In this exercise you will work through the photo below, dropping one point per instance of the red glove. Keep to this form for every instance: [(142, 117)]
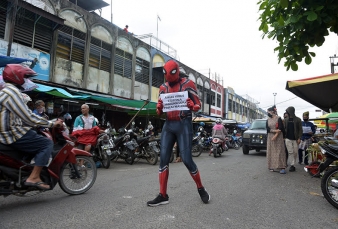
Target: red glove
[(192, 106), (159, 107)]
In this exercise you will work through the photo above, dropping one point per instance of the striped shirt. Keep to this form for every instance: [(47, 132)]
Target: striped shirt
[(15, 116)]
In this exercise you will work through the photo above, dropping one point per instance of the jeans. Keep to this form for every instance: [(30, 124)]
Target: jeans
[(36, 145), (182, 132)]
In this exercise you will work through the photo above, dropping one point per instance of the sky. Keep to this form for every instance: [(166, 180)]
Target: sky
[(223, 36)]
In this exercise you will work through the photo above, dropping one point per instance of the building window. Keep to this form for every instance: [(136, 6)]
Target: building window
[(100, 54), (229, 104), (123, 63), (142, 71), (158, 77), (213, 98), (71, 44), (219, 100), (200, 90)]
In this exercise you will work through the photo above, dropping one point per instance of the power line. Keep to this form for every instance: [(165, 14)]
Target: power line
[(280, 102)]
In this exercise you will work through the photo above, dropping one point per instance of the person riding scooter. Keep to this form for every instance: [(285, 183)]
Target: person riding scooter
[(15, 118), (219, 131)]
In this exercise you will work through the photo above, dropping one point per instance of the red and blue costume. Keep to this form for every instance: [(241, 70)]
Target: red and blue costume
[(178, 126)]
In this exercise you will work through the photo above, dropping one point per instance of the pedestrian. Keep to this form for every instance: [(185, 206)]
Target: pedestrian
[(294, 131), (150, 128), (285, 115), (178, 126), (308, 131), (177, 152), (40, 109), (275, 153)]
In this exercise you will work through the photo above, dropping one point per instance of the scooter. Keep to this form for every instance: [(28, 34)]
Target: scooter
[(72, 168), (217, 147)]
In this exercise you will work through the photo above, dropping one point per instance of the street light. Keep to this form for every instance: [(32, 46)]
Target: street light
[(274, 98)]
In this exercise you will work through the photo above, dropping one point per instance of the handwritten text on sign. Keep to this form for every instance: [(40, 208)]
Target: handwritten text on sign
[(175, 101)]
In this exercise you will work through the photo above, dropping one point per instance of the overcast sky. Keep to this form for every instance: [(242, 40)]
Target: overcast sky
[(223, 36)]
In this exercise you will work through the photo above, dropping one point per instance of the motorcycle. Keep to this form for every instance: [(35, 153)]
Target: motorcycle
[(72, 168), (329, 182), (217, 147), (205, 141), (147, 149), (196, 149), (124, 146), (102, 150)]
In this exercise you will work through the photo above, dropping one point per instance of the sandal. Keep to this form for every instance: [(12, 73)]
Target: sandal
[(282, 171), (37, 185)]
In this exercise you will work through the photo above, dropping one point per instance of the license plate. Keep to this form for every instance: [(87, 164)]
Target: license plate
[(108, 152)]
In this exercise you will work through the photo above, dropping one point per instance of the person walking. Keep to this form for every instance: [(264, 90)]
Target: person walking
[(294, 131), (306, 140), (275, 153)]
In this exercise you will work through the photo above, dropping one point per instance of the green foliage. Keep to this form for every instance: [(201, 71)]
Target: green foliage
[(297, 25)]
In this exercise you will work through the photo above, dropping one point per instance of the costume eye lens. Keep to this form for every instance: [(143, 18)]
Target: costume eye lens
[(173, 71), (164, 71)]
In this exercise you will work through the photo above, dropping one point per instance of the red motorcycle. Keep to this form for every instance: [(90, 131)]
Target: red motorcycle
[(72, 168)]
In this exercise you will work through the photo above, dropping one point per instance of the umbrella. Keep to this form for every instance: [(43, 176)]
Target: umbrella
[(320, 91)]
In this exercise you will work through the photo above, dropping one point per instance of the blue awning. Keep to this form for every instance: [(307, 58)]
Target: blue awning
[(4, 60), (59, 92)]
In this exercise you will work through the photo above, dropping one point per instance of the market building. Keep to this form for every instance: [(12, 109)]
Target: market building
[(76, 51)]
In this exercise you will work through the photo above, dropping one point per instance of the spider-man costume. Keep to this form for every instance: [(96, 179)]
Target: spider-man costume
[(178, 127)]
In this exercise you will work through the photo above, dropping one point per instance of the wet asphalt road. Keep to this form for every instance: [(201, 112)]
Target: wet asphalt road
[(244, 194)]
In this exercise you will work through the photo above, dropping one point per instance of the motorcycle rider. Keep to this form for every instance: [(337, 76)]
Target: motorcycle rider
[(15, 116), (219, 131), (178, 126), (201, 127)]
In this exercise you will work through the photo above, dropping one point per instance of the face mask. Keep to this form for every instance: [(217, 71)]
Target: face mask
[(270, 115), (41, 110), (306, 119), (28, 85)]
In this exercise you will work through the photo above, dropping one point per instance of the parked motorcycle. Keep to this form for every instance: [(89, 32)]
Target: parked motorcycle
[(124, 146), (64, 168), (196, 149), (205, 141), (217, 147), (103, 149), (147, 149), (329, 182)]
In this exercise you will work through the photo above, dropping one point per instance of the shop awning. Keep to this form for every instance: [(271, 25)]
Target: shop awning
[(320, 91), (4, 60), (59, 92)]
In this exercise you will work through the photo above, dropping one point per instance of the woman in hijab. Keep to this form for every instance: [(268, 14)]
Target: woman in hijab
[(275, 144)]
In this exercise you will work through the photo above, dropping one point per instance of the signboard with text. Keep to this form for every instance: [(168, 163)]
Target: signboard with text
[(174, 101)]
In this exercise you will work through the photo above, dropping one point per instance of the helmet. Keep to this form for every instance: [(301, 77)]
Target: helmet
[(235, 131), (97, 121), (16, 73), (202, 123), (218, 121), (67, 116)]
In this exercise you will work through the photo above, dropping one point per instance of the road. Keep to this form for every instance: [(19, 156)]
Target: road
[(244, 194)]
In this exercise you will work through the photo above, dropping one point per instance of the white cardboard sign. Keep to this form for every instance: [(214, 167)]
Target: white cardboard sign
[(175, 101)]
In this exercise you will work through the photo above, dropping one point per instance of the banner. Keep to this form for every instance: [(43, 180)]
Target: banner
[(39, 61)]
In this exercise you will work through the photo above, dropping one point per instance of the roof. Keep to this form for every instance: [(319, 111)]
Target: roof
[(90, 5)]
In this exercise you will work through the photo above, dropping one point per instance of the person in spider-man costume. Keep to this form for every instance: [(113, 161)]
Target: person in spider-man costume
[(177, 127)]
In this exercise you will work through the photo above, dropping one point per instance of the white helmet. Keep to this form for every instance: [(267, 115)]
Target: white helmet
[(218, 121), (97, 121)]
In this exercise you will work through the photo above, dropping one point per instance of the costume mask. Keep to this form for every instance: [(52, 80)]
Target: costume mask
[(171, 71)]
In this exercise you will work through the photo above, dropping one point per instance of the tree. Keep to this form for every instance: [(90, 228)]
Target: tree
[(297, 25)]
